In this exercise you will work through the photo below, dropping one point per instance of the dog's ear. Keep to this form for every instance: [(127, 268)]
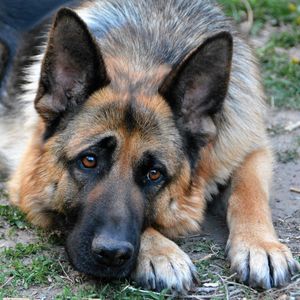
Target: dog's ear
[(72, 68), (197, 87)]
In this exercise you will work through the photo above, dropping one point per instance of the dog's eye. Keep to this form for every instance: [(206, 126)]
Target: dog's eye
[(89, 161), (154, 175)]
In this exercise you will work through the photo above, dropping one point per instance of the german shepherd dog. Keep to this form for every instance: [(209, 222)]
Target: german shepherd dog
[(122, 127)]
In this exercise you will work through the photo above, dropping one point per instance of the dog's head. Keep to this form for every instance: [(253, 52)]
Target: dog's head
[(116, 148)]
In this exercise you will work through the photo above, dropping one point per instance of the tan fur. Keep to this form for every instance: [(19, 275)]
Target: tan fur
[(121, 73), (185, 212), (248, 208), (32, 188), (161, 258), (252, 235)]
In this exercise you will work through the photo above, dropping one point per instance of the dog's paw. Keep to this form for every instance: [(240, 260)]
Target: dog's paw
[(163, 265), (262, 264)]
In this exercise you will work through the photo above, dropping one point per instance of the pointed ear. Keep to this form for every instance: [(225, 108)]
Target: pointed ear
[(197, 87), (72, 68)]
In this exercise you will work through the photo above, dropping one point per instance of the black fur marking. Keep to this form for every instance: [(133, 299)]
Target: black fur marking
[(218, 205), (60, 122), (246, 277), (52, 128), (130, 118), (153, 272), (192, 144), (4, 52), (73, 67), (198, 85), (271, 272), (64, 222), (197, 88)]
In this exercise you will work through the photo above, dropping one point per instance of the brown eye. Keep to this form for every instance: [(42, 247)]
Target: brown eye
[(153, 175), (89, 161)]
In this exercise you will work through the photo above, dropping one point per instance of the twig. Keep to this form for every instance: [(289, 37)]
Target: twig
[(249, 22), (225, 287), (235, 292), (215, 249), (292, 127), (6, 282), (131, 288), (199, 297), (230, 276), (295, 277), (295, 190), (206, 257), (204, 296), (66, 275), (206, 289), (278, 291), (241, 285), (190, 236)]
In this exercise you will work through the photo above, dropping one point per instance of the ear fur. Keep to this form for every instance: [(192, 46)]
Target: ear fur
[(72, 68), (197, 87)]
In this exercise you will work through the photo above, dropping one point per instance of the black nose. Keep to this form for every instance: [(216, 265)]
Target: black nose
[(111, 252)]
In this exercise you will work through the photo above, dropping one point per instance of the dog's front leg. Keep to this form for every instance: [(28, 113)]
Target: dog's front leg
[(163, 265), (255, 253)]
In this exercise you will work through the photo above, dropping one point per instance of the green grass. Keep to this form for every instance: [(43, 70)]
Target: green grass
[(23, 250), (117, 290), (3, 193), (263, 10), (287, 156), (26, 265), (281, 73), (286, 39), (13, 216)]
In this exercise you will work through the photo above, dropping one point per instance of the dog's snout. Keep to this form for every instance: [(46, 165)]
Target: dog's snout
[(112, 252)]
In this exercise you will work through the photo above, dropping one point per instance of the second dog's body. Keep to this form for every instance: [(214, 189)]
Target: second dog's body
[(142, 108)]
